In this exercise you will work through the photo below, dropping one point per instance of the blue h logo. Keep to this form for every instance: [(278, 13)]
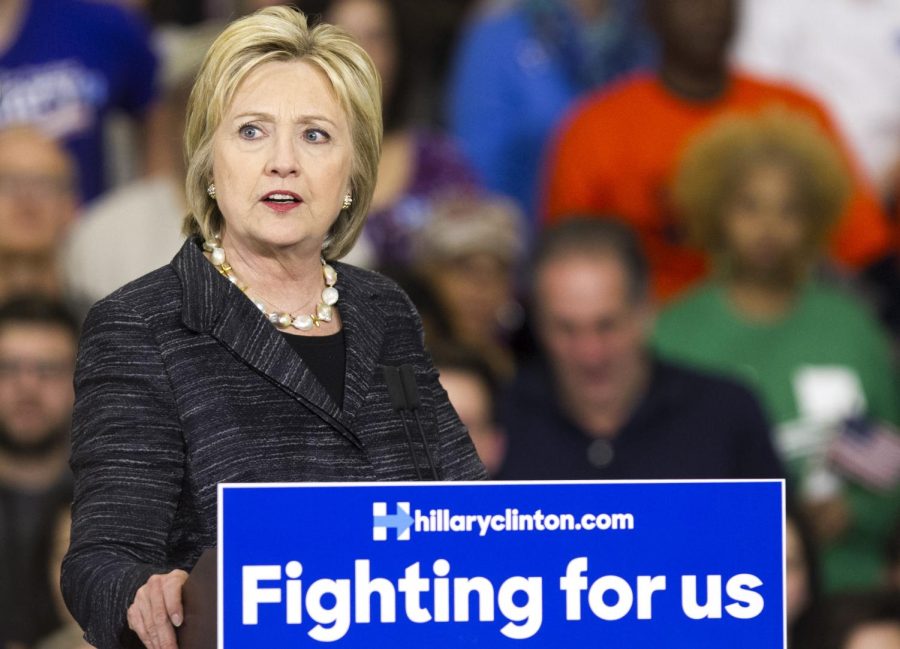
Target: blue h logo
[(381, 521)]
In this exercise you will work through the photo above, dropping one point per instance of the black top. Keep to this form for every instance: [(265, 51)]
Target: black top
[(688, 425), (324, 355)]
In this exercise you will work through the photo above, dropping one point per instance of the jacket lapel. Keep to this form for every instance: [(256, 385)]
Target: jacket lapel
[(364, 336), (212, 304)]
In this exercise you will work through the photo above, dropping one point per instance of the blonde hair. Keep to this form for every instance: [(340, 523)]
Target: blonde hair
[(719, 157), (282, 34)]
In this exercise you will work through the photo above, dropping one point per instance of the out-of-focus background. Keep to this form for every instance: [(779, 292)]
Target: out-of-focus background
[(646, 237)]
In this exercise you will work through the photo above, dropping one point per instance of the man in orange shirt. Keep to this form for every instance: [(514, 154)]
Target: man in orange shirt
[(616, 153)]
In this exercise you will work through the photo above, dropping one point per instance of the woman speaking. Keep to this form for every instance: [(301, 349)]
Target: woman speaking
[(252, 356)]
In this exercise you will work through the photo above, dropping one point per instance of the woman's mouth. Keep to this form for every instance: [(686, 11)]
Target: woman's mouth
[(282, 201), (282, 197)]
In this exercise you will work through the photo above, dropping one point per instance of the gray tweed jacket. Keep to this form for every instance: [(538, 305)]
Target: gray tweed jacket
[(181, 383)]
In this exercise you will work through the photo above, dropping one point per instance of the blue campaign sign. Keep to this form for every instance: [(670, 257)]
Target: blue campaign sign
[(661, 565)]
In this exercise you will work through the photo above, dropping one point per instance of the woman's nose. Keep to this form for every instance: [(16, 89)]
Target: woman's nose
[(283, 158)]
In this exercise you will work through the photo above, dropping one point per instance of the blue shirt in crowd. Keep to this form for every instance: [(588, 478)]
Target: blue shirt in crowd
[(69, 65), (516, 73)]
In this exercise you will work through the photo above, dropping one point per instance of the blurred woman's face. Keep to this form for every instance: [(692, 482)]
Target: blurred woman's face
[(797, 575), (764, 227), (473, 288), (369, 23), (282, 158)]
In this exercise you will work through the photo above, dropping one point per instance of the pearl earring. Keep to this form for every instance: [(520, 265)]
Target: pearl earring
[(348, 201), (211, 190)]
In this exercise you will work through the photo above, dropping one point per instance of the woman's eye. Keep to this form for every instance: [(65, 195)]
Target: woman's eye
[(249, 132), (315, 135)]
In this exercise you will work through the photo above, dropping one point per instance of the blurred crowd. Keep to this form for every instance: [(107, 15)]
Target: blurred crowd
[(649, 239)]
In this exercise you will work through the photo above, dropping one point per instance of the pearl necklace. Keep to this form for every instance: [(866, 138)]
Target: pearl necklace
[(282, 320)]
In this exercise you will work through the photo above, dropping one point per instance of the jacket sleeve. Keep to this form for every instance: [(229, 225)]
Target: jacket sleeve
[(127, 458)]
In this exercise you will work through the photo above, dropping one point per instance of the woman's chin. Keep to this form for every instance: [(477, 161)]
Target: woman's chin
[(277, 233)]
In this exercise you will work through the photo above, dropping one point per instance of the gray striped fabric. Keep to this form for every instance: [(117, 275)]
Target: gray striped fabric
[(182, 383)]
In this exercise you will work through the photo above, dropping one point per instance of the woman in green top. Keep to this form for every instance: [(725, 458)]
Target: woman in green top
[(760, 193)]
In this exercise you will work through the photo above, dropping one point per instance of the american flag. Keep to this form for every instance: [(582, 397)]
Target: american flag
[(867, 452)]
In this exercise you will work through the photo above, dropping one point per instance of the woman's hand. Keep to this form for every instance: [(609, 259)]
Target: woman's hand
[(156, 610)]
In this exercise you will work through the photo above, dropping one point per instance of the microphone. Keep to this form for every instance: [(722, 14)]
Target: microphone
[(410, 389), (398, 399)]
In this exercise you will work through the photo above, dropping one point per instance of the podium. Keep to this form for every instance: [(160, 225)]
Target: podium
[(199, 600)]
